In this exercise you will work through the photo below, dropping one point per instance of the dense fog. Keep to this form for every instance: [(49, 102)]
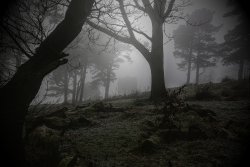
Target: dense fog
[(138, 68)]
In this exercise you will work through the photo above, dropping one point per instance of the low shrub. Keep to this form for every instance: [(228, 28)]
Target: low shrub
[(205, 93), (227, 79)]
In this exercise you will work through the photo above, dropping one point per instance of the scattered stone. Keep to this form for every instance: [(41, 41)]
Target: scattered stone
[(69, 161), (149, 145), (56, 123), (106, 107), (42, 148), (58, 113), (79, 122), (82, 106)]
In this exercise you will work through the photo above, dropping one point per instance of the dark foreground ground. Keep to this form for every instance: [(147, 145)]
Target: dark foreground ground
[(136, 133)]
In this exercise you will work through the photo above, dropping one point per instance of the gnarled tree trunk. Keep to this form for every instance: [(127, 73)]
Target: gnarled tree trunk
[(197, 70), (66, 87), (107, 83), (82, 85), (156, 62), (74, 87), (18, 93), (158, 12)]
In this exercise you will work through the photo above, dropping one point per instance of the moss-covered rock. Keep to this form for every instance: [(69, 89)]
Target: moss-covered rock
[(42, 148)]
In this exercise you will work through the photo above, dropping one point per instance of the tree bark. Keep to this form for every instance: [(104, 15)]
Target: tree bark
[(83, 78), (107, 84), (78, 87), (156, 62), (241, 70), (74, 87), (197, 70), (18, 93), (18, 61), (66, 86), (189, 66)]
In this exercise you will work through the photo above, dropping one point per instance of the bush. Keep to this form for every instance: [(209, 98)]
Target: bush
[(227, 79), (205, 93), (172, 102)]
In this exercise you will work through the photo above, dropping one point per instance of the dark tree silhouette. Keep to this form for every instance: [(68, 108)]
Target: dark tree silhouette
[(205, 43), (23, 30), (235, 48), (91, 92), (59, 83), (195, 43), (184, 45), (69, 80), (105, 64), (18, 93), (103, 75), (121, 25), (84, 59), (85, 63)]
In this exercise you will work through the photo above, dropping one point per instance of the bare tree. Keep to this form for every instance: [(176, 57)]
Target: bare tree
[(18, 93), (106, 63), (118, 18), (23, 28)]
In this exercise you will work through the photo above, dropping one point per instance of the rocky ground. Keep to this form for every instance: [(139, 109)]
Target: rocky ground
[(139, 133)]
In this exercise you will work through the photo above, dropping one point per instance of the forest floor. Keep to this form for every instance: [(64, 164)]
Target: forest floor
[(136, 133)]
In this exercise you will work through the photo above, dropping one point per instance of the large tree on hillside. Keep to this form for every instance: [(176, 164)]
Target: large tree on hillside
[(18, 93), (119, 19)]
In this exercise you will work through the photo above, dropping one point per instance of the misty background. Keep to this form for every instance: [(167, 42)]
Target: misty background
[(137, 69)]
